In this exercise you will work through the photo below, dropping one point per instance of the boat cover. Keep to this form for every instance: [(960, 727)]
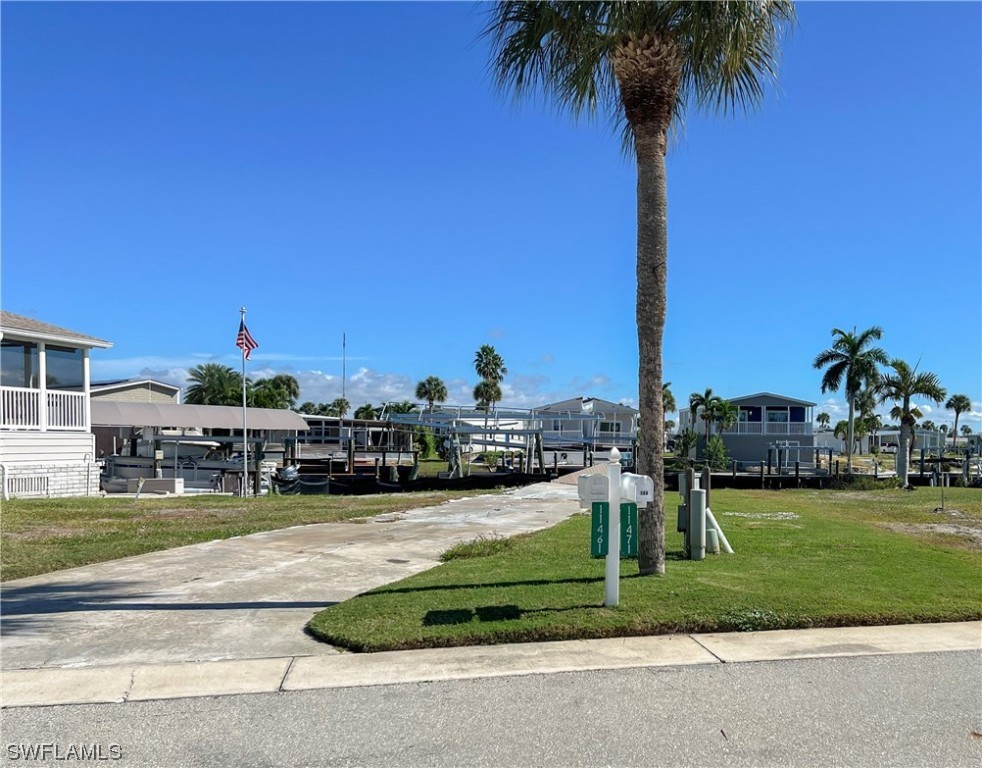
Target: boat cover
[(110, 413)]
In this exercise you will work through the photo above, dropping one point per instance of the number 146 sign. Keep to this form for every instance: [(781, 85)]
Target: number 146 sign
[(601, 524)]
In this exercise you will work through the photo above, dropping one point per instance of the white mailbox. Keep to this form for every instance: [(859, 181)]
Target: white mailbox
[(637, 488), (591, 488)]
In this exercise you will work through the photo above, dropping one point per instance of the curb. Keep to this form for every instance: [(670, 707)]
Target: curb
[(125, 683)]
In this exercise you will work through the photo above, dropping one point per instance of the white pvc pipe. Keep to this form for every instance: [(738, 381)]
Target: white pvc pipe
[(722, 536)]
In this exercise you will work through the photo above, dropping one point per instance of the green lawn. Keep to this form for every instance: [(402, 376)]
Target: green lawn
[(802, 559), (43, 535)]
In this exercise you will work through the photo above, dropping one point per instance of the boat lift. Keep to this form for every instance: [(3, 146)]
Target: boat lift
[(508, 429)]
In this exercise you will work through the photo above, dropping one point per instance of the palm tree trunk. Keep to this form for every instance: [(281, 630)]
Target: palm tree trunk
[(850, 437), (652, 273), (903, 456)]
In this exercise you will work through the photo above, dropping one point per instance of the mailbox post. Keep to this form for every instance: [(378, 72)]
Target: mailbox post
[(612, 580)]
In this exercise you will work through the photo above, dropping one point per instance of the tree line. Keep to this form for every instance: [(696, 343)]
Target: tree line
[(216, 384), (869, 377)]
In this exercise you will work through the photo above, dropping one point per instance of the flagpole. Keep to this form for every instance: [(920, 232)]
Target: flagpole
[(245, 426)]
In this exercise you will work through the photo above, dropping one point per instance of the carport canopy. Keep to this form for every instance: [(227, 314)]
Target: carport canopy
[(110, 413)]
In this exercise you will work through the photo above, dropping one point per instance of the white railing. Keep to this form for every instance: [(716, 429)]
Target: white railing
[(66, 410), (784, 428), (773, 428), (563, 434), (20, 408)]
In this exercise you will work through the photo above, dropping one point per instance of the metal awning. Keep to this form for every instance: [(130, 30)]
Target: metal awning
[(110, 413)]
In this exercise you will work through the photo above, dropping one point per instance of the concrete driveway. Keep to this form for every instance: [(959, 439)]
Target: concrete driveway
[(248, 597)]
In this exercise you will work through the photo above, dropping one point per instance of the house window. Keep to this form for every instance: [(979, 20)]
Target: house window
[(64, 368), (777, 417), (19, 364), (557, 425), (609, 427)]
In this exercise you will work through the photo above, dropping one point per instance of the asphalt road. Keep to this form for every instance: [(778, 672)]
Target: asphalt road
[(905, 710)]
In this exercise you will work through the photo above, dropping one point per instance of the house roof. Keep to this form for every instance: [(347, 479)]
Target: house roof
[(111, 413), (105, 386), (763, 395), (20, 326), (585, 404)]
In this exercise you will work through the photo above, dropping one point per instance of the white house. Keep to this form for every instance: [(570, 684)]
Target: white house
[(590, 422), (46, 442)]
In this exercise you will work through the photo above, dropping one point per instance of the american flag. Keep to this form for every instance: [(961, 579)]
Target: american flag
[(244, 340)]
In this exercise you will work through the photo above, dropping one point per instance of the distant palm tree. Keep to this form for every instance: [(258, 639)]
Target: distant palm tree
[(487, 393), (667, 398), (873, 425), (290, 387), (214, 384), (432, 390), (852, 363), (308, 406), (866, 402), (280, 391), (959, 404), (823, 420), (366, 411), (725, 415), (707, 401), (642, 63), (966, 430), (900, 387), (404, 407), (339, 407)]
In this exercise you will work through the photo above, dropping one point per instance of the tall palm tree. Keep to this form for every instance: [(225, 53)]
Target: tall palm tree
[(851, 362), (489, 364), (432, 390), (959, 404), (900, 387), (823, 420), (642, 63), (214, 384)]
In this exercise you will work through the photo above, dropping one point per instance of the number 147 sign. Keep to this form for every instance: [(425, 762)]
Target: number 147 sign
[(601, 524)]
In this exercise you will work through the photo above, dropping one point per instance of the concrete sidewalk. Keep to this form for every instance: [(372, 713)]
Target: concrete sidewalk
[(117, 684)]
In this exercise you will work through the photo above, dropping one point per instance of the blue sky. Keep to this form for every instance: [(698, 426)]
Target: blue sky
[(349, 169)]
